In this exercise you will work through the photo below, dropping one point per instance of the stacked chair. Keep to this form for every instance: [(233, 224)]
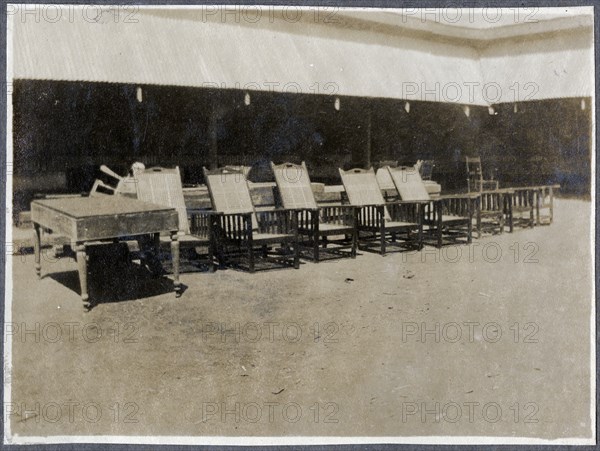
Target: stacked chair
[(318, 226), (380, 223)]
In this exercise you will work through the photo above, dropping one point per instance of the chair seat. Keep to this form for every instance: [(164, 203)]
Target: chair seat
[(450, 218), (341, 228), (271, 237), (398, 224)]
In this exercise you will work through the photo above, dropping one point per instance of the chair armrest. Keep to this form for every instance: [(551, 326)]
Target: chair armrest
[(203, 222), (408, 211), (307, 219), (339, 214), (235, 226), (278, 221), (463, 205), (371, 216)]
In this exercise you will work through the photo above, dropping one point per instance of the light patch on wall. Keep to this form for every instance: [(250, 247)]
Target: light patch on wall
[(337, 104), (407, 107), (583, 104), (467, 110), (139, 95), (247, 99)]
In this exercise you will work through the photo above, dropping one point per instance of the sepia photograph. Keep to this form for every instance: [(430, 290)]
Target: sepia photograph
[(299, 225)]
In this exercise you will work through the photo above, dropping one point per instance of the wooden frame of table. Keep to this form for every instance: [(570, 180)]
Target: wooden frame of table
[(85, 220)]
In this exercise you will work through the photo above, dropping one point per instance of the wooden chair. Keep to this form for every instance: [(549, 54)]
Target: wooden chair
[(163, 186), (244, 229), (475, 181), (448, 218), (491, 211), (318, 224), (382, 223), (520, 207)]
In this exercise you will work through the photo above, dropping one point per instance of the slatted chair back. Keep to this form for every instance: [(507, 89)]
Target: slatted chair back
[(409, 184), (362, 188), (229, 192), (474, 173), (294, 185), (162, 186)]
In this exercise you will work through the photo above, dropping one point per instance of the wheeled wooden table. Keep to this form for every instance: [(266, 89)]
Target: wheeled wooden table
[(85, 220)]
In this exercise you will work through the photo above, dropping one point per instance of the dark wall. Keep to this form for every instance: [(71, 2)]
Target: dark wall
[(74, 127), (541, 142)]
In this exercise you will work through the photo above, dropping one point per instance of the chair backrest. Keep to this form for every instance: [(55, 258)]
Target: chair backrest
[(229, 192), (409, 184), (294, 185), (162, 186), (474, 173), (362, 188)]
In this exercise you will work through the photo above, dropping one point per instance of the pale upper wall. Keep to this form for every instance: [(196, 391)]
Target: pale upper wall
[(555, 65), (357, 52)]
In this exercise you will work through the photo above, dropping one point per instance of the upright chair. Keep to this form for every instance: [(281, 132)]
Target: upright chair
[(492, 210), (520, 207), (163, 186), (382, 223), (247, 231), (319, 225), (448, 218), (475, 181)]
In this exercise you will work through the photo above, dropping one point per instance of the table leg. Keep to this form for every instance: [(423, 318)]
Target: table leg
[(37, 245), (175, 257), (82, 267)]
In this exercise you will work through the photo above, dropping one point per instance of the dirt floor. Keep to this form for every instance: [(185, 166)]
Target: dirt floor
[(491, 339)]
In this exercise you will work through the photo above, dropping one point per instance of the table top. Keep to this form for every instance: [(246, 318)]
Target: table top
[(86, 207)]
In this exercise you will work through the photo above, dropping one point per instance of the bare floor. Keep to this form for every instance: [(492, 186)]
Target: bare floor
[(491, 339)]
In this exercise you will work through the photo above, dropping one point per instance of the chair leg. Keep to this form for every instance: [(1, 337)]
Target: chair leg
[(250, 257), (316, 248), (296, 255), (532, 219)]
